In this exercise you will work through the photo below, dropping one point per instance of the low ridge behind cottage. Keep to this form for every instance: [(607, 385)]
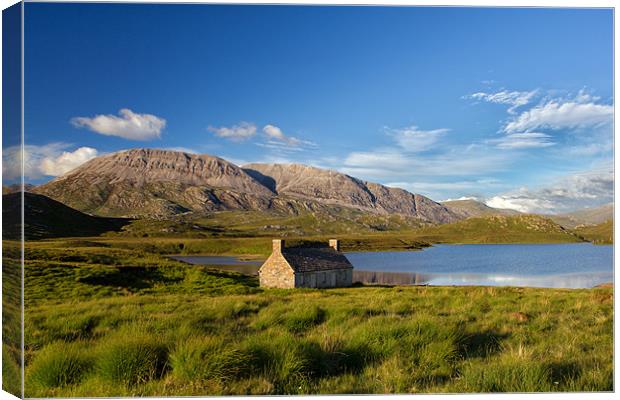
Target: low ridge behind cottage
[(315, 267)]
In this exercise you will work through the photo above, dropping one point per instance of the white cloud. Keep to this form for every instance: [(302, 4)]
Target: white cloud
[(47, 160), (556, 114), (182, 149), (525, 140), (586, 189), (414, 139), (278, 141), (56, 166), (515, 99), (273, 132), (236, 133), (462, 198), (129, 125), (275, 135)]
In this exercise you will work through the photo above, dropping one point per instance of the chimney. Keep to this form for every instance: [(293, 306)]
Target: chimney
[(334, 244), (278, 245)]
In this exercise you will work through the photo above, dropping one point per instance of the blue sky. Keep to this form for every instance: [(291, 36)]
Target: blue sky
[(510, 106)]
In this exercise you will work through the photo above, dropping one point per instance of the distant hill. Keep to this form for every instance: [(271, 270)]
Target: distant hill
[(161, 184), (586, 216), (473, 208), (602, 233), (16, 187), (498, 229), (47, 218)]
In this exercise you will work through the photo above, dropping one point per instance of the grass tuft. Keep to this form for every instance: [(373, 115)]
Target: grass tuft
[(59, 364), (209, 358), (132, 360)]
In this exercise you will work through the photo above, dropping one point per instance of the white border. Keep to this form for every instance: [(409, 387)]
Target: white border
[(470, 3)]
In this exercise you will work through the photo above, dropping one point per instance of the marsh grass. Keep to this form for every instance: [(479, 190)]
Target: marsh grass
[(174, 329), (209, 358), (131, 361), (60, 364)]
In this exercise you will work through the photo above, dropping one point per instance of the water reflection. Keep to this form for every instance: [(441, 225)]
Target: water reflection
[(572, 281)]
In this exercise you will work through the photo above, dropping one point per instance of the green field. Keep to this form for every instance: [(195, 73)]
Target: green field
[(112, 316)]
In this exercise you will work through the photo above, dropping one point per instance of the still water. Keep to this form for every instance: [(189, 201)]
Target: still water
[(571, 265), (581, 265)]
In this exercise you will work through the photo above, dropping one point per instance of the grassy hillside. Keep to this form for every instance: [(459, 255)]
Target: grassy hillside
[(239, 233), (103, 320), (255, 223), (498, 229), (599, 234)]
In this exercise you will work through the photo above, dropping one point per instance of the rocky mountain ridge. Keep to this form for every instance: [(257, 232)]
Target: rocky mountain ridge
[(161, 183)]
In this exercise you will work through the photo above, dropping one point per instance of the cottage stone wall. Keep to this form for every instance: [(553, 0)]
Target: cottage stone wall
[(276, 273), (324, 279)]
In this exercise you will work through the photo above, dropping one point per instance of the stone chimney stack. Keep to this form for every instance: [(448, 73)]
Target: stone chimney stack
[(278, 245), (334, 244)]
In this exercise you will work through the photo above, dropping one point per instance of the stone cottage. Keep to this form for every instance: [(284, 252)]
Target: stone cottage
[(316, 267)]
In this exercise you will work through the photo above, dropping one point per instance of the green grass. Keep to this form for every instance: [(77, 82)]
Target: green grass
[(11, 318), (60, 364), (130, 360), (602, 233), (499, 229), (369, 340), (245, 232), (332, 220), (106, 319)]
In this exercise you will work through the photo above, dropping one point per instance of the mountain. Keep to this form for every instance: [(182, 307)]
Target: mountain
[(331, 187), (157, 183), (47, 218), (473, 208), (163, 183), (585, 217)]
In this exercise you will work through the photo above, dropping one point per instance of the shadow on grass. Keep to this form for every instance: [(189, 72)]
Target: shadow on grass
[(130, 278), (563, 372), (481, 344)]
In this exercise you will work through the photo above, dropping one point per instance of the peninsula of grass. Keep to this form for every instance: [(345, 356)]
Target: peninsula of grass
[(111, 318)]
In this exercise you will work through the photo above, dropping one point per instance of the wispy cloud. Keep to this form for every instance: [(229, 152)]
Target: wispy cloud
[(182, 149), (127, 125), (276, 138), (390, 163), (275, 133), (414, 139), (236, 133), (279, 142), (515, 99), (555, 114), (525, 140), (437, 189), (52, 159), (585, 189)]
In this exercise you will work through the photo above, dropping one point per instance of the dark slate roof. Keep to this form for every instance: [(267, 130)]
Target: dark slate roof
[(308, 259)]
